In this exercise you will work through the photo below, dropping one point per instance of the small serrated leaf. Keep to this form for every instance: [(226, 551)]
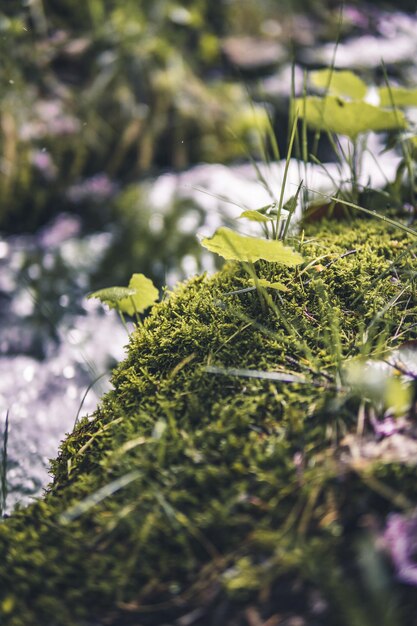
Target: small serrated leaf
[(231, 245), (138, 296), (112, 296)]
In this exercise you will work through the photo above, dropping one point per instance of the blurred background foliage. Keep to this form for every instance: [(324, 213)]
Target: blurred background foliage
[(117, 87), (123, 88), (97, 95)]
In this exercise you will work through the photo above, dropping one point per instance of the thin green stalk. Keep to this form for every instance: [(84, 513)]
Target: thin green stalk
[(3, 469), (354, 169), (261, 178), (332, 66), (287, 165), (297, 143), (122, 317), (273, 140), (304, 143), (260, 134), (339, 151), (90, 386), (316, 161), (408, 160)]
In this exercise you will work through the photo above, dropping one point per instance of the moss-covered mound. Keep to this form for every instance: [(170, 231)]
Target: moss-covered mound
[(203, 494)]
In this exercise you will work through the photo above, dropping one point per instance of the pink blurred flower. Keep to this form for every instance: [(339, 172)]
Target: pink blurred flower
[(49, 120), (400, 538), (387, 426), (356, 17), (96, 188), (42, 161)]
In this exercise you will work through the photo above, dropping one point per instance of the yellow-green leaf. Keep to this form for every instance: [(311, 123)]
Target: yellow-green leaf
[(255, 216), (401, 96), (340, 83), (231, 245), (138, 296), (145, 294), (348, 118)]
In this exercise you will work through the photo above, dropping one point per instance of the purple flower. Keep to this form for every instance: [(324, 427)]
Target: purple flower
[(63, 125), (400, 538), (42, 161), (97, 188), (60, 229), (49, 120), (356, 17), (388, 426)]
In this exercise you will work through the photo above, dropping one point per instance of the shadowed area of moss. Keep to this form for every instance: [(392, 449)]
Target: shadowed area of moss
[(197, 496)]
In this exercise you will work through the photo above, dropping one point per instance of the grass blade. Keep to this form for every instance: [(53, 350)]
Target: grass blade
[(246, 373), (3, 467), (287, 165), (362, 209), (108, 490)]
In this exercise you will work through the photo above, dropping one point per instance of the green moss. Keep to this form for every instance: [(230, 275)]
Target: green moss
[(237, 494)]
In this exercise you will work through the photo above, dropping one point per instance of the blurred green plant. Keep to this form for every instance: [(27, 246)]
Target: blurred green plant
[(114, 88), (342, 109)]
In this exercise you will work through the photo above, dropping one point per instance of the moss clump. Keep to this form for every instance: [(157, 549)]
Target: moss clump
[(221, 494)]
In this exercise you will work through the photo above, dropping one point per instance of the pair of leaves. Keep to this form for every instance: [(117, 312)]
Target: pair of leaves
[(335, 115), (347, 85), (233, 246), (140, 294)]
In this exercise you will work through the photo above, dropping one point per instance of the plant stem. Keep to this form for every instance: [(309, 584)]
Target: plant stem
[(3, 470)]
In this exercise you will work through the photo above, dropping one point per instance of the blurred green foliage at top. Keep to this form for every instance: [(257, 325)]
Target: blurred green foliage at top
[(95, 94), (116, 87)]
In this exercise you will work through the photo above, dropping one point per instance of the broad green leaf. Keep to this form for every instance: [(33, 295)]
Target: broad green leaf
[(231, 245), (263, 282), (348, 118), (112, 296), (340, 83), (145, 294), (401, 96), (138, 296)]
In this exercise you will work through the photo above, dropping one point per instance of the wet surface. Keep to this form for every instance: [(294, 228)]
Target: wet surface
[(53, 345)]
